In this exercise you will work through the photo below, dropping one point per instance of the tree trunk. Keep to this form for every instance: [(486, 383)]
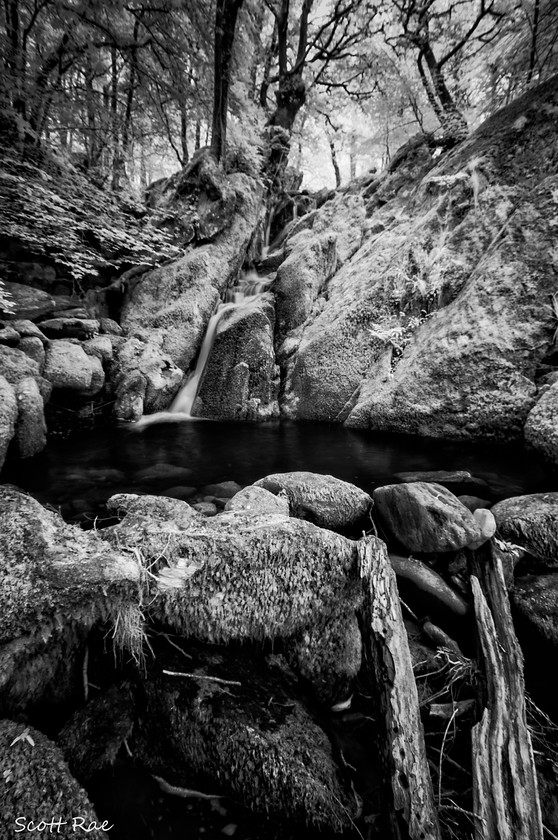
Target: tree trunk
[(225, 24), (409, 801), (453, 121), (505, 788)]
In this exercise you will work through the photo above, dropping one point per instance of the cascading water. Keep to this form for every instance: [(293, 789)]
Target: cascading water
[(245, 293)]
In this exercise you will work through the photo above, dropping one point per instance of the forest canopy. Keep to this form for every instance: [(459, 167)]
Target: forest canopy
[(127, 92)]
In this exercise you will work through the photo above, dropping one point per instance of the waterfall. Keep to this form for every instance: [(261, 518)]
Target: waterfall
[(248, 291), (184, 400)]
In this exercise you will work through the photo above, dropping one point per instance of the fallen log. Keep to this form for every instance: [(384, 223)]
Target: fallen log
[(411, 813), (505, 788)]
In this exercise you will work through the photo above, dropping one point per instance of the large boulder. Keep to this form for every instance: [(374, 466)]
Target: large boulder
[(437, 324), (38, 795), (323, 499), (531, 522), (170, 306), (426, 518), (255, 737), (68, 367), (15, 365), (240, 380), (238, 575), (55, 578)]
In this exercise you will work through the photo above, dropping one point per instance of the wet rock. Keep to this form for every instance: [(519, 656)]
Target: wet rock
[(70, 328), (541, 428), (145, 380), (163, 472), (531, 522), (179, 492), (224, 489), (474, 503), (67, 366), (258, 500), (31, 426), (427, 593), (241, 379), (323, 499), (426, 518), (300, 277), (535, 599), (35, 349), (256, 738), (8, 416), (38, 787), (458, 481), (29, 303)]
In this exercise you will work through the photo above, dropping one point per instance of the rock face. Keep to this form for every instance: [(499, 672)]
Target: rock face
[(323, 499), (170, 306), (426, 517), (531, 522), (240, 380), (145, 379), (436, 322)]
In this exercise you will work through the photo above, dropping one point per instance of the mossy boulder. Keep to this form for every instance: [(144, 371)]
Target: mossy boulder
[(56, 581), (531, 522), (252, 737), (37, 788)]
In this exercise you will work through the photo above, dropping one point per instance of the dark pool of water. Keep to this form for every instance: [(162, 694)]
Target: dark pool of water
[(79, 474)]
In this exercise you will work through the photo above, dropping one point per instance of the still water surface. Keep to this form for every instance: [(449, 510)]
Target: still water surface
[(80, 473)]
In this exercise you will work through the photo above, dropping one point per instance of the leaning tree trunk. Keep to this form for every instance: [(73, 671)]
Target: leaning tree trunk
[(410, 808), (505, 789)]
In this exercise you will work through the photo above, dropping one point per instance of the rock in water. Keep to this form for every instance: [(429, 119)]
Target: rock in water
[(426, 518), (323, 499), (531, 522), (240, 380)]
